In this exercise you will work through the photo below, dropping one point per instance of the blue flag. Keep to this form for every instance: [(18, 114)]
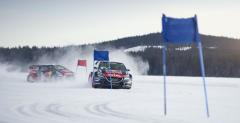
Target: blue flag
[(181, 31), (101, 55)]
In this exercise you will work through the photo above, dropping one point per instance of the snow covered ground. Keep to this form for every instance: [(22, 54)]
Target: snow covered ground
[(76, 102)]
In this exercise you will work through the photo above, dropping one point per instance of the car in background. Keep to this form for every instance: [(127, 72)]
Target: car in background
[(106, 74), (48, 73)]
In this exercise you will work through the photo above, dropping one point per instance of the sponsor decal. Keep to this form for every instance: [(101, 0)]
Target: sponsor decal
[(114, 75)]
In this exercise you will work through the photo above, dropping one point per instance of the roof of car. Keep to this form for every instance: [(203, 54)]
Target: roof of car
[(112, 62), (44, 65)]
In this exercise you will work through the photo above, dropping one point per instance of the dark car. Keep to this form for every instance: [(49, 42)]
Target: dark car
[(48, 73), (106, 74)]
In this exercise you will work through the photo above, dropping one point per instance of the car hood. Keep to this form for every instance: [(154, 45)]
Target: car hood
[(114, 73), (66, 72)]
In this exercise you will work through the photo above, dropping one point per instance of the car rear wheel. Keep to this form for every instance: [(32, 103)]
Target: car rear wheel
[(30, 79)]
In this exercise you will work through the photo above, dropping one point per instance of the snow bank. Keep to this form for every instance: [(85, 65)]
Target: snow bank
[(71, 101)]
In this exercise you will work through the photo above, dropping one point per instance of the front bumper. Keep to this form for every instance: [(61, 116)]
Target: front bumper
[(104, 82)]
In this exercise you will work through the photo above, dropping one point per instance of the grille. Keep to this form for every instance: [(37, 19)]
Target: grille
[(114, 79)]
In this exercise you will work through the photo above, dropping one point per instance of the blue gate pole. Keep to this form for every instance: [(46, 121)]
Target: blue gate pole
[(93, 66), (203, 76), (164, 78), (109, 68)]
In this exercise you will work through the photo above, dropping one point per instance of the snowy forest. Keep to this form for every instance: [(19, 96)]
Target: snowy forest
[(221, 55)]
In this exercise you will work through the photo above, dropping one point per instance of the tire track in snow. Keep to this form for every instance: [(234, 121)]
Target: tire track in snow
[(45, 112), (22, 110), (57, 109), (54, 109), (103, 109), (92, 109), (54, 112), (30, 110), (34, 108), (106, 108)]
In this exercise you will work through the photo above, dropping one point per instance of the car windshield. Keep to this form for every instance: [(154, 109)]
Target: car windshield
[(45, 67), (113, 66), (59, 67)]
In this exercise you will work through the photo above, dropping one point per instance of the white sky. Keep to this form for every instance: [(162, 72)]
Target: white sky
[(66, 22)]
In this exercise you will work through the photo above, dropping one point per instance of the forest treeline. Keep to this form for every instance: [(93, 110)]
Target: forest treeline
[(221, 55)]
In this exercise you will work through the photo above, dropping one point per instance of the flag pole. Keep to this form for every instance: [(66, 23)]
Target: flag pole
[(203, 77), (76, 67), (164, 79), (202, 66), (93, 65), (110, 74), (164, 65)]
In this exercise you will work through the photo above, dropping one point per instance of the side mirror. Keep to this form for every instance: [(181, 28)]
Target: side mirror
[(128, 70), (103, 69)]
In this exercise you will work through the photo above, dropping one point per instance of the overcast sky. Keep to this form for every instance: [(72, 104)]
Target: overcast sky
[(66, 22)]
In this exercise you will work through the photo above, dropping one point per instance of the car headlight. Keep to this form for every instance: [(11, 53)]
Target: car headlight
[(127, 78), (99, 74)]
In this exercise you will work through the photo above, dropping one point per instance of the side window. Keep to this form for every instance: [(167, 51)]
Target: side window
[(58, 73), (124, 67)]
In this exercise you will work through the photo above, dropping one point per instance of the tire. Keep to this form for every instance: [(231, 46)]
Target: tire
[(30, 79), (128, 87), (90, 80), (94, 86)]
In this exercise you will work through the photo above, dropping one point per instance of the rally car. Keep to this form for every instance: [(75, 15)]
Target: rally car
[(110, 74), (48, 73)]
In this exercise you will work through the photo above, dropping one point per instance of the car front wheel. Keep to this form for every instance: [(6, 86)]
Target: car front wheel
[(30, 79)]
